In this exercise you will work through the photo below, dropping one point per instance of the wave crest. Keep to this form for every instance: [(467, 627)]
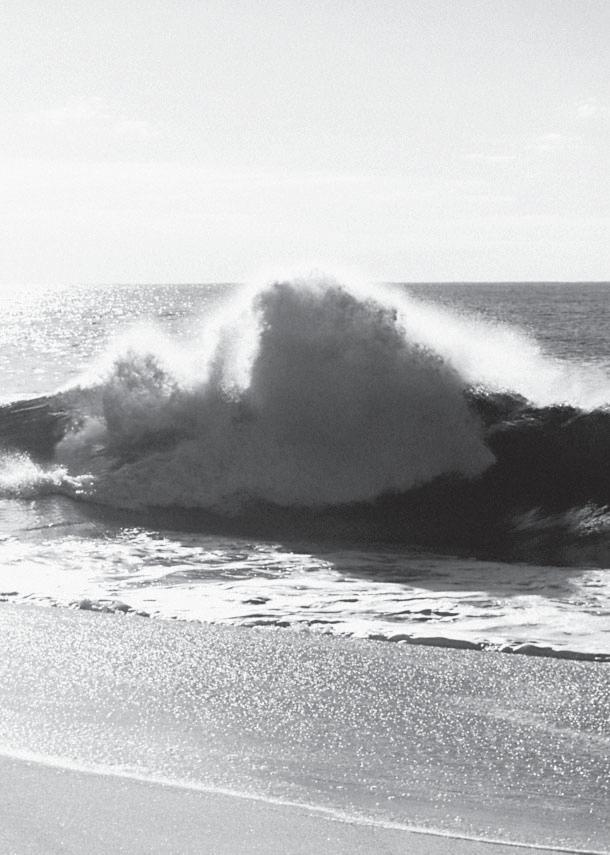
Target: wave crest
[(337, 406)]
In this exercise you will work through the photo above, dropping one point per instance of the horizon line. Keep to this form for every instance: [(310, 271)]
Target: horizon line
[(232, 283)]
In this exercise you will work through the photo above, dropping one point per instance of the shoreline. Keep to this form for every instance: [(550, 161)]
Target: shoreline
[(397, 736), (108, 606), (146, 816)]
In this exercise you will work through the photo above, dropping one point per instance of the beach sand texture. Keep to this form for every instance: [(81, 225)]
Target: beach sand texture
[(207, 737)]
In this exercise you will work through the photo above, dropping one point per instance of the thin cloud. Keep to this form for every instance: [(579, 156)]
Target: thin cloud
[(87, 113), (553, 143), (591, 108), (38, 172), (75, 111), (493, 159), (133, 130)]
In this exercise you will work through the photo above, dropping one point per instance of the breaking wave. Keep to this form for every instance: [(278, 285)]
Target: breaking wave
[(371, 414), (23, 478)]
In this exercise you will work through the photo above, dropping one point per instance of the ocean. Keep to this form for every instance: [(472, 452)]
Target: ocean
[(413, 463)]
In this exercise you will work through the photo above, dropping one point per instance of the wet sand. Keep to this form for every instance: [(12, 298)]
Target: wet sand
[(46, 809), (158, 736)]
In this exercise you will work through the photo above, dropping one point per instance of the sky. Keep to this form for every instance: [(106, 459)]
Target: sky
[(214, 140)]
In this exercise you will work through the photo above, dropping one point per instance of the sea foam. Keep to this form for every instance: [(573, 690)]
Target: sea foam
[(23, 478)]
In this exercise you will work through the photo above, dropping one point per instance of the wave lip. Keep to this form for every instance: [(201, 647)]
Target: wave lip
[(34, 426)]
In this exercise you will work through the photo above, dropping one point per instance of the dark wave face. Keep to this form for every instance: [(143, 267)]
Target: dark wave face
[(319, 411), (34, 426)]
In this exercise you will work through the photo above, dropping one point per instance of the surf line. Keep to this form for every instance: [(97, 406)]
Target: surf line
[(332, 814)]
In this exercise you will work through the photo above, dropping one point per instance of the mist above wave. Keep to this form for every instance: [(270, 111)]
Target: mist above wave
[(502, 358)]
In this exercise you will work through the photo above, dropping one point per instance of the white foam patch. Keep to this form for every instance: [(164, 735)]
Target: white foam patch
[(22, 478)]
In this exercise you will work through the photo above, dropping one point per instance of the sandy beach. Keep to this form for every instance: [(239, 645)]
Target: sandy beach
[(305, 427), (138, 735)]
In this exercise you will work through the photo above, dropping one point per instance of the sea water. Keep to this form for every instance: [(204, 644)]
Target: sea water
[(315, 454)]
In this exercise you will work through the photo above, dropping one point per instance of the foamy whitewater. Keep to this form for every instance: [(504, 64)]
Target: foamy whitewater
[(422, 464)]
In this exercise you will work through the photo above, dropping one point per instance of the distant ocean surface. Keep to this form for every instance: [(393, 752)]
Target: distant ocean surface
[(417, 463)]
